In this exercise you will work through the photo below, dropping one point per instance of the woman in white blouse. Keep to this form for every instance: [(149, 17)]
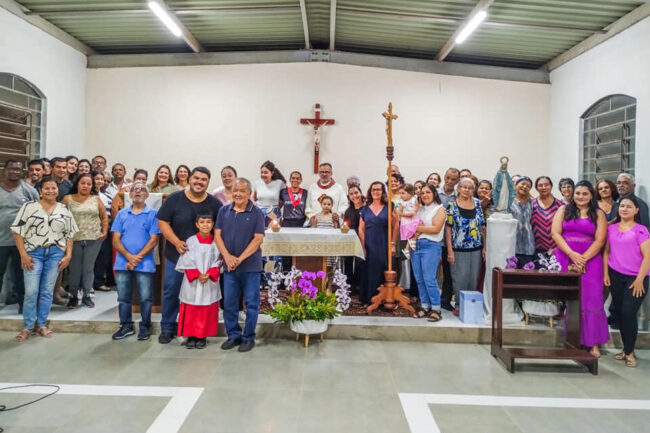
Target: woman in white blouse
[(43, 231), (267, 191)]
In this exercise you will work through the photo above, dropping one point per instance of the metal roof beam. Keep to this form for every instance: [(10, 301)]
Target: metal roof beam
[(46, 26), (612, 30), (332, 24), (300, 56), (482, 5), (305, 25), (187, 36), (178, 11)]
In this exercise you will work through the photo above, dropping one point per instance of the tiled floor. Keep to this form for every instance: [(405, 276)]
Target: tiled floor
[(333, 386)]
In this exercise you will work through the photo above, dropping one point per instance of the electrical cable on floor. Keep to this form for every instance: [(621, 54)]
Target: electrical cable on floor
[(4, 408)]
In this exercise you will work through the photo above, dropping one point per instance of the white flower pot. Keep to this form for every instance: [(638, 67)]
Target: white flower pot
[(308, 327)]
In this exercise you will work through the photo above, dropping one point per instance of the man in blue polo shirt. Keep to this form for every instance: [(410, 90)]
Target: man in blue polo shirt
[(135, 235), (239, 233)]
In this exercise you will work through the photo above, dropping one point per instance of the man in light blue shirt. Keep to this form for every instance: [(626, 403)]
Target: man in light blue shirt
[(135, 235)]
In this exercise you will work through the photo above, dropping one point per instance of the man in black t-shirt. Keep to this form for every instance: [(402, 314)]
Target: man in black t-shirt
[(176, 220)]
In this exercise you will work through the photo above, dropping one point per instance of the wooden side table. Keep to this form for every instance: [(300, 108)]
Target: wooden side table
[(537, 285)]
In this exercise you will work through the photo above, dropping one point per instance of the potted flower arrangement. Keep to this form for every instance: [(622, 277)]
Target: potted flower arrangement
[(307, 310)]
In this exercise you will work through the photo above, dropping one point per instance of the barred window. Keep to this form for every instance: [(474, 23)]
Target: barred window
[(22, 109), (609, 138)]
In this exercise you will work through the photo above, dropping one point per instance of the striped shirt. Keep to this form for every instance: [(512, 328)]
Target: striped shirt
[(542, 220)]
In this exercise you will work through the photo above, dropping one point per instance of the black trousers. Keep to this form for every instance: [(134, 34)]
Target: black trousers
[(627, 307), (447, 286), (104, 265)]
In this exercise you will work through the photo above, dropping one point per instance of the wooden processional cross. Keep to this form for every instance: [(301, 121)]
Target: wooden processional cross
[(317, 124), (390, 293)]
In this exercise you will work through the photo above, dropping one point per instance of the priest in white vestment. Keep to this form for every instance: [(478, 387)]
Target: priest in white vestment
[(326, 186)]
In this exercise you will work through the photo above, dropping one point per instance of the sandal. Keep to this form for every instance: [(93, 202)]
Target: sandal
[(630, 361), (620, 356), (435, 316), (420, 314), (44, 331), (23, 335)]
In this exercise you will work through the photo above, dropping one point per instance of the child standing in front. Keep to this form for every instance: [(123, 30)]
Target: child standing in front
[(199, 310), (407, 211)]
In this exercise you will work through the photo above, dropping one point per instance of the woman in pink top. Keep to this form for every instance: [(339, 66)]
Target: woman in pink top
[(627, 266)]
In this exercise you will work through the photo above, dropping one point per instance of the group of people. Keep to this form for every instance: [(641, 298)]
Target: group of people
[(61, 215)]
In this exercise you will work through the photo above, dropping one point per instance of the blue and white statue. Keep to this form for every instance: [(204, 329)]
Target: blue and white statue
[(504, 189)]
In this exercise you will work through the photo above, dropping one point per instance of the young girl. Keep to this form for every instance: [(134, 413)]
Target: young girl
[(199, 311), (407, 212), (325, 218)]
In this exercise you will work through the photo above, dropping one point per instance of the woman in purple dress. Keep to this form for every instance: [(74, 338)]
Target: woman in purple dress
[(580, 230)]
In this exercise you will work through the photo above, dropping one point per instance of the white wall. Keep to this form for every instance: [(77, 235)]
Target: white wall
[(619, 65), (58, 70), (244, 114)]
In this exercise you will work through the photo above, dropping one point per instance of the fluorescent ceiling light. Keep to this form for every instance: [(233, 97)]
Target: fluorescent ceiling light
[(471, 26), (165, 18)]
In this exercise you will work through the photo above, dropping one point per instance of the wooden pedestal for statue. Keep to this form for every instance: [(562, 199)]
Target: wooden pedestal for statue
[(540, 286), (390, 295)]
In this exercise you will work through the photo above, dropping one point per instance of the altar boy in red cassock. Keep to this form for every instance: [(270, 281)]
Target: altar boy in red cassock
[(199, 295)]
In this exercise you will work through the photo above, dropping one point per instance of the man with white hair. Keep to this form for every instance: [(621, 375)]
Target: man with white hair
[(625, 186), (135, 234)]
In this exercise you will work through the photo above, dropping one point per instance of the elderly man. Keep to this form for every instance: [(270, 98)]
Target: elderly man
[(176, 219), (353, 180), (135, 234), (625, 186), (14, 192), (447, 194), (326, 186), (239, 233)]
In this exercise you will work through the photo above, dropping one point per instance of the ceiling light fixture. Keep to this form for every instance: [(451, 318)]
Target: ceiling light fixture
[(165, 18), (471, 26)]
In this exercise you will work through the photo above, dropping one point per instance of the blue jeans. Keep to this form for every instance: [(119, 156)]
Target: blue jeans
[(235, 283), (170, 302), (425, 260), (10, 263), (124, 280), (39, 285)]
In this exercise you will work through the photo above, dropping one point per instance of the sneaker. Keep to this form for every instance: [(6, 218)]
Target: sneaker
[(88, 302), (144, 333), (230, 344), (165, 337), (447, 307), (72, 302), (247, 346), (191, 343), (123, 332), (200, 343)]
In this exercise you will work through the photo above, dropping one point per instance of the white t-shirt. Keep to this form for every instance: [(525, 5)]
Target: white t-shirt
[(426, 214), (268, 194)]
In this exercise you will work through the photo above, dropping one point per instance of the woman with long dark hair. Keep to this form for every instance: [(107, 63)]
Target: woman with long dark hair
[(373, 232), (580, 230), (182, 176), (352, 217), (626, 269), (267, 191), (428, 251), (90, 215)]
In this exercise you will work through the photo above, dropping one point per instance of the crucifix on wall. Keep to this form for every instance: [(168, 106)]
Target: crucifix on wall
[(317, 124)]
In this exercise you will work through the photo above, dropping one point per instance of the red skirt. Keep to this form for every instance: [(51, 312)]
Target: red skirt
[(198, 321)]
